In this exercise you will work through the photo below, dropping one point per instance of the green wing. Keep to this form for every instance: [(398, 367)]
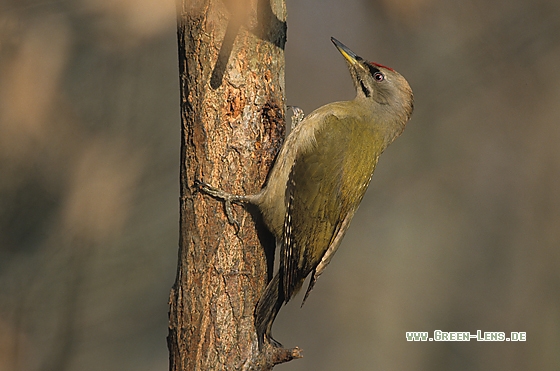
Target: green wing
[(324, 190)]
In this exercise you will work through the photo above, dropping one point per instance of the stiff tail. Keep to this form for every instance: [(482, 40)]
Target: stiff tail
[(267, 308)]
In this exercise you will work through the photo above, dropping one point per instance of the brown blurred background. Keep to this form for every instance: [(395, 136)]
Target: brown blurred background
[(459, 231)]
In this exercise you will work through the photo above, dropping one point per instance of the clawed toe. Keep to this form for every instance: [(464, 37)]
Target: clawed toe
[(227, 198)]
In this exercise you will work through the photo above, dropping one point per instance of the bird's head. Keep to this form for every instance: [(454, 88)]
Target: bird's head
[(379, 85)]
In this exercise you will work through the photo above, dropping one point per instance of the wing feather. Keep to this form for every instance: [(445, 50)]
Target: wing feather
[(325, 187)]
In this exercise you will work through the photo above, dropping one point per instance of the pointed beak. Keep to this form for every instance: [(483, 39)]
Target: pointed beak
[(350, 56)]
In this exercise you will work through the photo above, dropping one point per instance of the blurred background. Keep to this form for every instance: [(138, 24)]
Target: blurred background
[(459, 231)]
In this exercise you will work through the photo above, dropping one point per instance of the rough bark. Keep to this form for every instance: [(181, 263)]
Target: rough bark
[(231, 60)]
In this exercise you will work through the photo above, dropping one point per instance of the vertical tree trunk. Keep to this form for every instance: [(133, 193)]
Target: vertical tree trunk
[(231, 60)]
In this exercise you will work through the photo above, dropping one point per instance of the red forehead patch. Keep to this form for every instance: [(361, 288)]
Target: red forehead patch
[(381, 66)]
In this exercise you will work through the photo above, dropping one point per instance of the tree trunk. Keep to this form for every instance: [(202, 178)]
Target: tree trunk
[(231, 60)]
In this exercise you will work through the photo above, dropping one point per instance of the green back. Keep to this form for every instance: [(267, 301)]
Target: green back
[(325, 187)]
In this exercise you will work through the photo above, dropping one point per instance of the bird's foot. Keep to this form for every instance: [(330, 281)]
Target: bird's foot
[(297, 115), (227, 198)]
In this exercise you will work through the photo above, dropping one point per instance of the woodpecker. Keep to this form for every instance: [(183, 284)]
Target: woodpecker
[(320, 177)]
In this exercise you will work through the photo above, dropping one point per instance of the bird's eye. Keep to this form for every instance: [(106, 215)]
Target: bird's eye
[(378, 76)]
